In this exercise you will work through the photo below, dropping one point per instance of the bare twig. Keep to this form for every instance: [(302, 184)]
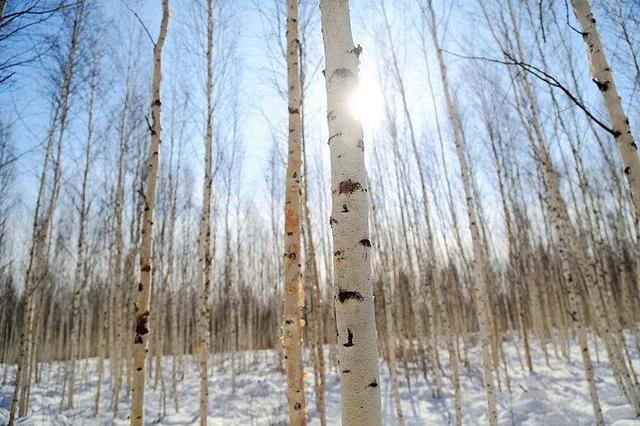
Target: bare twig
[(31, 10), (566, 8), (540, 17), (541, 75), (144, 27)]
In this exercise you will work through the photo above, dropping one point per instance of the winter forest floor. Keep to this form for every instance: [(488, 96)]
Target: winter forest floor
[(553, 395)]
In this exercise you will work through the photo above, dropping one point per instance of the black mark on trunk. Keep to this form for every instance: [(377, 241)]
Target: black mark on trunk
[(348, 187), (365, 242), (344, 295), (349, 339)]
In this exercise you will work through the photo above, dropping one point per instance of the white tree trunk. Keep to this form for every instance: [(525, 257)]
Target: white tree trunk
[(143, 305), (603, 78), (204, 237), (355, 315)]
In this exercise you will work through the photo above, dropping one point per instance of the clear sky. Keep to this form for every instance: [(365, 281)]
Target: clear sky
[(254, 64)]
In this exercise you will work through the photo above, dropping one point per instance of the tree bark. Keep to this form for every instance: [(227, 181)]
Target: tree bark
[(355, 315), (143, 305), (204, 237), (293, 287), (603, 79)]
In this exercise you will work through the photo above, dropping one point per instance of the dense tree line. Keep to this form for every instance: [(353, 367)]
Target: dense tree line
[(492, 197)]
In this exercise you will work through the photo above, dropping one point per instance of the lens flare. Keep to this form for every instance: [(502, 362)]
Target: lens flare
[(365, 102)]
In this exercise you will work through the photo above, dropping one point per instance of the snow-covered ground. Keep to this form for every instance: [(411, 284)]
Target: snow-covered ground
[(555, 395)]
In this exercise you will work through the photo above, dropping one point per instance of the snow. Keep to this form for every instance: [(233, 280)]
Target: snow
[(552, 395)]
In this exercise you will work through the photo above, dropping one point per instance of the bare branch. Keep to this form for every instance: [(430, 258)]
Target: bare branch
[(144, 27), (543, 76)]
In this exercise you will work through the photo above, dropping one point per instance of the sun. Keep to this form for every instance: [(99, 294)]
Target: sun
[(365, 102)]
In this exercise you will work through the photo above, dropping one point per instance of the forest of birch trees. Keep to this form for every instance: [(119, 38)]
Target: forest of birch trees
[(420, 188)]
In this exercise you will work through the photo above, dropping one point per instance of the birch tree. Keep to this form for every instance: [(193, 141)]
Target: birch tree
[(143, 305), (293, 288), (353, 288), (204, 238), (621, 130)]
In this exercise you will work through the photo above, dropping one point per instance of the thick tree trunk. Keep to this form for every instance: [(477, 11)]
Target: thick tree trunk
[(603, 78), (355, 315)]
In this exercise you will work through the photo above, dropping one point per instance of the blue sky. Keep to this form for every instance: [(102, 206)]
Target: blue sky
[(249, 84)]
